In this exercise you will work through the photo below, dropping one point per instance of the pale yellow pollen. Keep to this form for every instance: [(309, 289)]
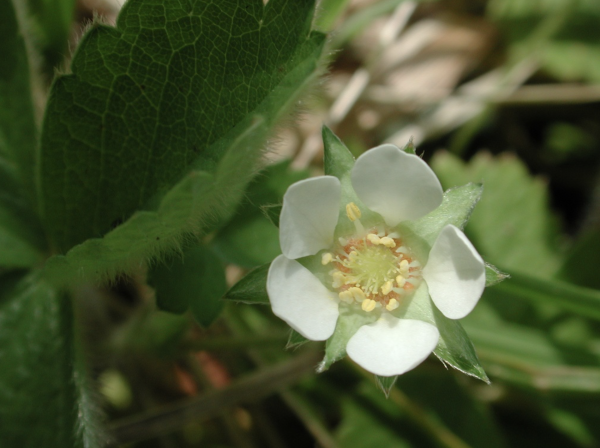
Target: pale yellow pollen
[(353, 212), (374, 239), (338, 279), (400, 281), (388, 242), (368, 305), (404, 267), (357, 293), (392, 305), (326, 258), (352, 256), (346, 296), (387, 287)]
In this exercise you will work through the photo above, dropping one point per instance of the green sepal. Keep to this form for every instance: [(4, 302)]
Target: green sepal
[(272, 212), (194, 280), (409, 148), (351, 318), (251, 289), (456, 208), (454, 346), (386, 383), (338, 160), (295, 340), (493, 275)]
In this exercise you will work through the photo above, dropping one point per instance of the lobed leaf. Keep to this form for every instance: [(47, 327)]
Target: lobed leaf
[(165, 90)]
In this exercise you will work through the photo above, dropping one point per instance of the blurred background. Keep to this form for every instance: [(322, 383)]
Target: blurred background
[(504, 92)]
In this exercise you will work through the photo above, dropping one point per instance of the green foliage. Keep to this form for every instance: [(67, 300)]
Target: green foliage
[(44, 400), (118, 135), (194, 280), (250, 239), (525, 241), (571, 52), (17, 126)]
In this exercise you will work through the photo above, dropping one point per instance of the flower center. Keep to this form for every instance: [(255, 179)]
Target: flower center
[(372, 267)]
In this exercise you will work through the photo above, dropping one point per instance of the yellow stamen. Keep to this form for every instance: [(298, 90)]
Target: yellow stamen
[(357, 293), (346, 296), (387, 287), (404, 267), (374, 239), (353, 212), (392, 305), (326, 258), (400, 281), (388, 242), (368, 305), (338, 279)]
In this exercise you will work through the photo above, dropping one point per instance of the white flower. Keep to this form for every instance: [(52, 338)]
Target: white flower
[(368, 263)]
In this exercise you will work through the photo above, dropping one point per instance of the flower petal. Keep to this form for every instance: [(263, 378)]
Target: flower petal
[(392, 346), (397, 185), (300, 299), (309, 215), (455, 273)]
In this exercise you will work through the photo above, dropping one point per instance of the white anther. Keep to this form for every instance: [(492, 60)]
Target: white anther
[(388, 242), (415, 264), (374, 239), (402, 250), (400, 281), (392, 305), (368, 305), (387, 287), (342, 241), (326, 258)]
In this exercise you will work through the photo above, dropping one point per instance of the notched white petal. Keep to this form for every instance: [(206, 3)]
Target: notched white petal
[(392, 346), (455, 273), (301, 300), (309, 216), (397, 185)]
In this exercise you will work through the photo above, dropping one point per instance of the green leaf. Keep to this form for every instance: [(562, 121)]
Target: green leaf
[(512, 225), (351, 318), (170, 88), (18, 133), (454, 346), (251, 289), (195, 280), (21, 237), (528, 357), (580, 266), (44, 398)]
